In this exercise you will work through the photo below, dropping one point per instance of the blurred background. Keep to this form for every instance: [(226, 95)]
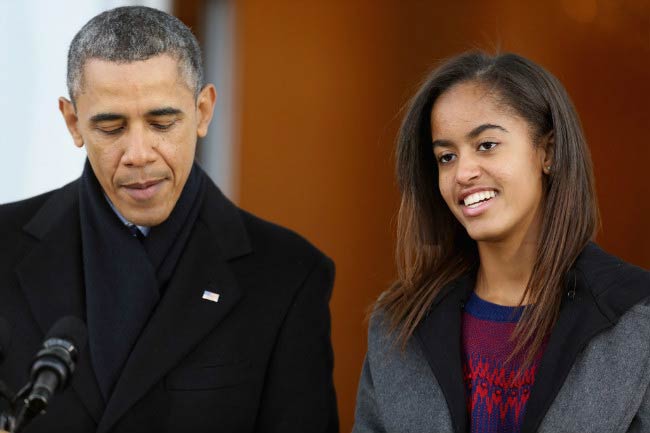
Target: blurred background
[(310, 99)]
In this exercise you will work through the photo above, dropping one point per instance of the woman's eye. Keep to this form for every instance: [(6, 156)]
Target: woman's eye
[(445, 158), (487, 145)]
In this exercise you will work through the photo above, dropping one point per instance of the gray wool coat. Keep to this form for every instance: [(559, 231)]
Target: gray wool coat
[(594, 375)]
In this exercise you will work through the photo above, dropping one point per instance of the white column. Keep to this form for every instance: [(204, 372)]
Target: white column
[(217, 153)]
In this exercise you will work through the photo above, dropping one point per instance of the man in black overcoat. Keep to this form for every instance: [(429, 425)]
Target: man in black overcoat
[(200, 317)]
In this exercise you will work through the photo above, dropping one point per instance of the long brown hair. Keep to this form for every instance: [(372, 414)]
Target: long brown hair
[(433, 248)]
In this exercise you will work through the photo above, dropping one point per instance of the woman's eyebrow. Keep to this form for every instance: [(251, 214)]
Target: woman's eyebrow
[(479, 129), (441, 143), (471, 134)]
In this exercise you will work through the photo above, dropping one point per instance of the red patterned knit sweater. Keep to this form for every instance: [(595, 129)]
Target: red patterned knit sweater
[(496, 398)]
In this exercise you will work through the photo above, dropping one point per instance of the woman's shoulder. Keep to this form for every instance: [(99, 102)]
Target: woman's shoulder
[(386, 351), (385, 344), (379, 328), (383, 334), (616, 285), (598, 261)]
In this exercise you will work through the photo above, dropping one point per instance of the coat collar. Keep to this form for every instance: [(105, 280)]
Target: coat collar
[(221, 216), (51, 277), (599, 289), (439, 336)]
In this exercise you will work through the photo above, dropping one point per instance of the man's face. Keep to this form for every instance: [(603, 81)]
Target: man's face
[(139, 122)]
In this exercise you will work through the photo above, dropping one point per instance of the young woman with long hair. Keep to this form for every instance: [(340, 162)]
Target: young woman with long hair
[(505, 316)]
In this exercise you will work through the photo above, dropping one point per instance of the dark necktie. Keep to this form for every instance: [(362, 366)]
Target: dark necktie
[(135, 231)]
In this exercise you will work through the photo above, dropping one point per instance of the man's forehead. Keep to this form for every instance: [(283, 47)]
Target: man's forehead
[(162, 72), (133, 88)]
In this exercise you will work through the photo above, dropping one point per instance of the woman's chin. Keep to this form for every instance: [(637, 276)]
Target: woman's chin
[(485, 233)]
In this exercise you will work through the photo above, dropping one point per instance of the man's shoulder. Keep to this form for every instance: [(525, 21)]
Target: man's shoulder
[(272, 249), (17, 214), (23, 208), (272, 238), (283, 252)]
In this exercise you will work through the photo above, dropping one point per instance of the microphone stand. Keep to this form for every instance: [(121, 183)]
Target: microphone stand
[(25, 413), (8, 420)]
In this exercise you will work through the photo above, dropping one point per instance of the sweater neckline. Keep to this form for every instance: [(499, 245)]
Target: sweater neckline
[(484, 310)]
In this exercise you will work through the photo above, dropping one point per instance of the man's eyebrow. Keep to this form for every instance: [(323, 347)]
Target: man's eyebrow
[(479, 129), (165, 111), (106, 117)]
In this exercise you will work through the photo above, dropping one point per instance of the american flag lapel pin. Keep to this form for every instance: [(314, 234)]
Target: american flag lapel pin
[(210, 296)]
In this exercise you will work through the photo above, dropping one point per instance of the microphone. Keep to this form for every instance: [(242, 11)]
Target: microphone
[(53, 366)]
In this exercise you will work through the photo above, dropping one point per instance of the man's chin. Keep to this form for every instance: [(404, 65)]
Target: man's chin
[(150, 217)]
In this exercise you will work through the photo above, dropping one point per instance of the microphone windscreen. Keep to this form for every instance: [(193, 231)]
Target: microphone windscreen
[(69, 328)]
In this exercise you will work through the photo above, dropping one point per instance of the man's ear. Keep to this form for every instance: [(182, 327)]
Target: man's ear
[(205, 108), (71, 121), (547, 152)]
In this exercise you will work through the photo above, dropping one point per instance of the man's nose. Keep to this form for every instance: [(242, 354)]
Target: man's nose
[(468, 169), (139, 147)]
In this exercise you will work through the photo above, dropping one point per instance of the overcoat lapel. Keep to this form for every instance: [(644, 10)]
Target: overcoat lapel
[(183, 318), (599, 289), (579, 321), (51, 277), (439, 335)]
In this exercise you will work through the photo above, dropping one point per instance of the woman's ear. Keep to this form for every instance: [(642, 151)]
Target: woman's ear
[(547, 151)]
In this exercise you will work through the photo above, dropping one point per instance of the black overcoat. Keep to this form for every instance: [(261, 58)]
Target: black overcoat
[(258, 360)]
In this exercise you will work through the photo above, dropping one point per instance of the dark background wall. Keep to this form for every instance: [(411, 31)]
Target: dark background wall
[(319, 93)]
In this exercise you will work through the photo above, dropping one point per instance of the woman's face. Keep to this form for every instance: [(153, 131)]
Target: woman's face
[(490, 171)]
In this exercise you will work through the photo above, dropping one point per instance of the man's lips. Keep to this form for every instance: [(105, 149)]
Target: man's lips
[(142, 185), (143, 191)]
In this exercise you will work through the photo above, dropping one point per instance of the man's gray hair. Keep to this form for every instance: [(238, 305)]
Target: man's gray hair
[(132, 33)]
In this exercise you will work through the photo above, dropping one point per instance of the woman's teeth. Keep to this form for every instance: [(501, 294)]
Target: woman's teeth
[(473, 200)]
